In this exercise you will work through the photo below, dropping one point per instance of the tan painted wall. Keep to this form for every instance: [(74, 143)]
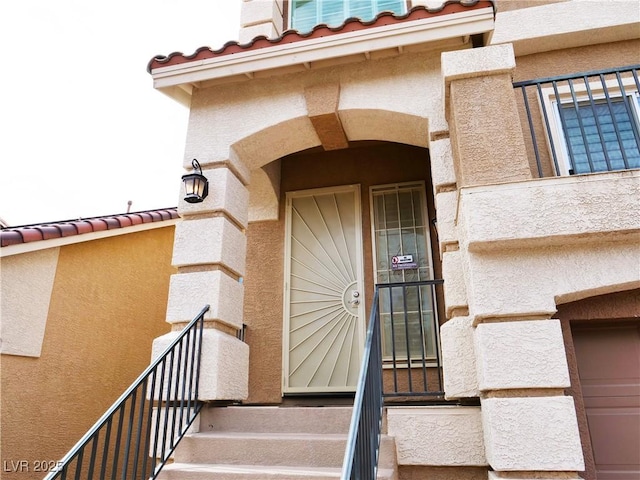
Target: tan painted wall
[(107, 304), (365, 165)]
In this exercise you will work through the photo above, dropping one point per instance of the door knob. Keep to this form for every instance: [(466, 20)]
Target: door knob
[(355, 298)]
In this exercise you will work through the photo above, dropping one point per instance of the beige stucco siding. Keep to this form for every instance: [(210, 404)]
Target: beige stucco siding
[(26, 282), (576, 60), (248, 116), (107, 303), (512, 246)]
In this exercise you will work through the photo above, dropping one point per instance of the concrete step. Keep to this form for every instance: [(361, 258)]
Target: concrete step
[(250, 448), (253, 443), (276, 419), (387, 454), (191, 471), (290, 449)]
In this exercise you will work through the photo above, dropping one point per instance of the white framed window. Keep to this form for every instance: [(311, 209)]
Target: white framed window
[(400, 230), (594, 126), (306, 14)]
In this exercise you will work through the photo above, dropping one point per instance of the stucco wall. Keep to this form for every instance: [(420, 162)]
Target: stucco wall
[(575, 60), (367, 165), (107, 303), (265, 111), (401, 98), (564, 263), (26, 282)]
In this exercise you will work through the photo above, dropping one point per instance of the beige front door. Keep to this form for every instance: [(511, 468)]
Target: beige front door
[(324, 295)]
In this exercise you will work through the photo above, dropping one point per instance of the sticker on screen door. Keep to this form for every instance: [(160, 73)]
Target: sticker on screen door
[(402, 262)]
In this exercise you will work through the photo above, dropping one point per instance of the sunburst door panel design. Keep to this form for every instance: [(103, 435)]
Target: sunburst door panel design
[(323, 321)]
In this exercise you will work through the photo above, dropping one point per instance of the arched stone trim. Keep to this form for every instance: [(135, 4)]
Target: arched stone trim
[(261, 150), (275, 141), (297, 134), (386, 125), (597, 291)]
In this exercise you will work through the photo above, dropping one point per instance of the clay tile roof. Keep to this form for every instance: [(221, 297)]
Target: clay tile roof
[(98, 224), (146, 217), (124, 220), (50, 231), (67, 228), (135, 219), (290, 36), (111, 222), (82, 227)]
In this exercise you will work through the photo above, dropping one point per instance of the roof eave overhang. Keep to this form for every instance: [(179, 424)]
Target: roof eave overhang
[(178, 81), (20, 248)]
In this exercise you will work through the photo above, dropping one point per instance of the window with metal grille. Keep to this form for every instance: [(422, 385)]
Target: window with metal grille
[(601, 134), (306, 14), (402, 256)]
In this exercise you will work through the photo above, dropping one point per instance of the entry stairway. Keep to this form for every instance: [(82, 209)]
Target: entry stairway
[(248, 442)]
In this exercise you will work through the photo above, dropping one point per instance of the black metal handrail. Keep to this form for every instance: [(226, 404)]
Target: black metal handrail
[(137, 435), (418, 300), (363, 444), (602, 147), (410, 331)]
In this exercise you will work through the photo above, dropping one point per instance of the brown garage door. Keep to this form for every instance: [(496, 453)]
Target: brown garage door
[(609, 368)]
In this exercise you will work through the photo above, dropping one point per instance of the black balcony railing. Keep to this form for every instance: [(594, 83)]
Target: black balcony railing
[(138, 434), (403, 322), (583, 123)]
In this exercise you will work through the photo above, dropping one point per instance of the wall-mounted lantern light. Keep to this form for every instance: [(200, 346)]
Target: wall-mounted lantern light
[(196, 186)]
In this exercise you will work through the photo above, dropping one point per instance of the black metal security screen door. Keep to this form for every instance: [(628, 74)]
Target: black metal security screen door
[(403, 255)]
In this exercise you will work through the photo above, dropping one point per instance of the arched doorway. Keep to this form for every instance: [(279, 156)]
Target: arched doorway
[(380, 171)]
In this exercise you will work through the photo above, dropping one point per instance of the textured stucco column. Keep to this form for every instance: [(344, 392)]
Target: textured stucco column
[(457, 334), (261, 17), (264, 198), (455, 291), (554, 243), (532, 434), (529, 424), (480, 106), (457, 340), (209, 251)]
